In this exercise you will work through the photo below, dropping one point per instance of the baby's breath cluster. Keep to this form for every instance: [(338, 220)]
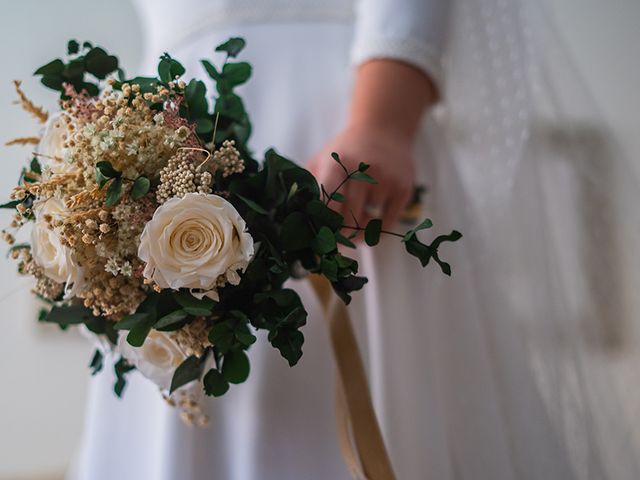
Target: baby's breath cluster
[(227, 159), (113, 296), (123, 129), (185, 173)]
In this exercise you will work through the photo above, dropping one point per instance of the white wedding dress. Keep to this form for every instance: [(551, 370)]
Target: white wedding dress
[(502, 371)]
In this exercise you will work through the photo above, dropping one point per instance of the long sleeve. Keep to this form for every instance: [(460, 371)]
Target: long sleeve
[(409, 30)]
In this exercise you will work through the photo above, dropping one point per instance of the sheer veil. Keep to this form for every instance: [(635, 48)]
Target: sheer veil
[(553, 205)]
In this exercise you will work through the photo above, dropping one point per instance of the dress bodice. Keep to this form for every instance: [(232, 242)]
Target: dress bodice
[(409, 30), (169, 24)]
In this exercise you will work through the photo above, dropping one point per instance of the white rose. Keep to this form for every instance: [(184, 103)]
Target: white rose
[(51, 147), (193, 241), (157, 358), (57, 260)]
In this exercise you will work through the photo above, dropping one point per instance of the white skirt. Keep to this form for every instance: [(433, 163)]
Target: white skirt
[(453, 384)]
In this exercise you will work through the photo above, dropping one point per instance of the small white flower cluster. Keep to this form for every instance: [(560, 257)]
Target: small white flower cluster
[(227, 158), (182, 175), (115, 266)]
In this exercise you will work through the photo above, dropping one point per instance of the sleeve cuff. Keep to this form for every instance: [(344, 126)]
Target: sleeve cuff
[(420, 55)]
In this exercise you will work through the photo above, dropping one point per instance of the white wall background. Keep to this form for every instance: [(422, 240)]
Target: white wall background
[(42, 372)]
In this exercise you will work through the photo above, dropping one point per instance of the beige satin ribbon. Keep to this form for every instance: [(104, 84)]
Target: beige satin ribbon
[(359, 435)]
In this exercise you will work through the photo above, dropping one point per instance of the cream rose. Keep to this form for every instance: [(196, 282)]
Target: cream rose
[(57, 260), (51, 147), (157, 358), (196, 242)]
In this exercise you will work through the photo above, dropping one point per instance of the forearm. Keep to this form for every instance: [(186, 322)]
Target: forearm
[(390, 95)]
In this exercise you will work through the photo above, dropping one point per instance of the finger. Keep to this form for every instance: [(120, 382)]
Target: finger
[(355, 201), (376, 204), (396, 205)]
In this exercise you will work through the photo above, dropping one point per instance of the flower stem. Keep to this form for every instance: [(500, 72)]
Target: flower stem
[(361, 229)]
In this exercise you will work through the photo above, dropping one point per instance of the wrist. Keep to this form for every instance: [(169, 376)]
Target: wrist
[(390, 96), (381, 128)]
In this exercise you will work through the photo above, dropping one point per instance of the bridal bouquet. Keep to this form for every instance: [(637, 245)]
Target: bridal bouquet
[(155, 229)]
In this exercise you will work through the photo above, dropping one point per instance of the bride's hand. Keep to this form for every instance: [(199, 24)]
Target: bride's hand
[(389, 154), (388, 101)]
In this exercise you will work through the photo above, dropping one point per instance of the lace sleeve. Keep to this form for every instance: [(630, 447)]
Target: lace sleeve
[(409, 30)]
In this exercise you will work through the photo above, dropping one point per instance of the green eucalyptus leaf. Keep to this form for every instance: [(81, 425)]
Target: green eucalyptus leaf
[(235, 367), (69, 315), (337, 197), (418, 249), (211, 70), (325, 241), (230, 105), (171, 319), (252, 205), (34, 166), (215, 384), (169, 68), (188, 371), (121, 368), (246, 338), (53, 82), (222, 337), (11, 204), (232, 47), (345, 285), (138, 333), (289, 343), (341, 239), (73, 47), (91, 88), (198, 311), (99, 63), (196, 95), (372, 232), (146, 84), (426, 223), (236, 73), (107, 169), (53, 68), (363, 177), (101, 180), (140, 188), (114, 192), (74, 70), (193, 305), (204, 126), (96, 362), (130, 321), (329, 268), (324, 215), (102, 327)]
